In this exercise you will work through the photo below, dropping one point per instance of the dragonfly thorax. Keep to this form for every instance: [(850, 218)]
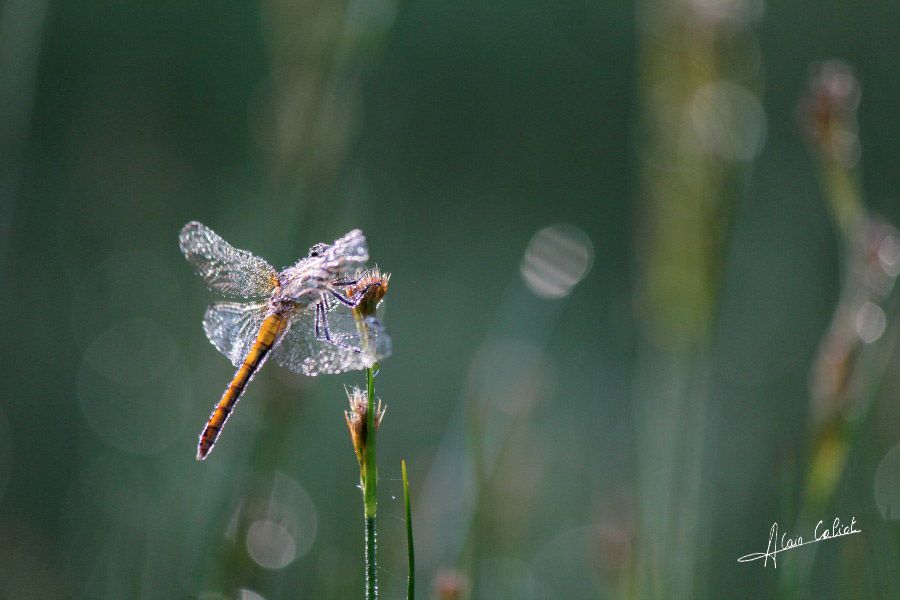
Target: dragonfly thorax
[(317, 250), (303, 284)]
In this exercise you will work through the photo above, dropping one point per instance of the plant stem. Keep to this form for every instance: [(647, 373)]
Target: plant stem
[(370, 488), (411, 553), (371, 566), (370, 482)]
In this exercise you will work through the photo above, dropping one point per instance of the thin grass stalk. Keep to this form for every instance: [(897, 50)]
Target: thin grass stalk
[(410, 551), (370, 489), (370, 484), (371, 562)]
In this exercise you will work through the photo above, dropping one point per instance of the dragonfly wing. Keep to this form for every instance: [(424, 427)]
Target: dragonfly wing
[(232, 327), (303, 352), (226, 269), (342, 258), (351, 247)]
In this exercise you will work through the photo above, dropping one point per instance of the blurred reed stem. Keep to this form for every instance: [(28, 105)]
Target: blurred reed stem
[(843, 196), (841, 413), (321, 51), (832, 442), (832, 437), (689, 190)]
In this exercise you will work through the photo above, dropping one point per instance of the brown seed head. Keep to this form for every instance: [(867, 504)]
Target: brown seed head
[(357, 420), (368, 291)]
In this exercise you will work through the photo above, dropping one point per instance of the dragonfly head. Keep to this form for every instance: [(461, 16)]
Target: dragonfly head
[(318, 250)]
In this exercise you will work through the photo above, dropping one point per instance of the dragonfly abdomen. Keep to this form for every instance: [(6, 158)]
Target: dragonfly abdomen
[(272, 326)]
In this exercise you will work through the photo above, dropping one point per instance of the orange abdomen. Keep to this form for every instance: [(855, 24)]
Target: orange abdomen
[(269, 331)]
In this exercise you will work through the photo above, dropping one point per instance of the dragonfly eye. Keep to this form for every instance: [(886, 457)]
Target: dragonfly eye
[(317, 250)]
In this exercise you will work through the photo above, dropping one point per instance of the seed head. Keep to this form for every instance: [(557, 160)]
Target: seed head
[(368, 291), (357, 420)]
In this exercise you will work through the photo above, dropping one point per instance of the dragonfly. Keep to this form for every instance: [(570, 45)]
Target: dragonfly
[(314, 317)]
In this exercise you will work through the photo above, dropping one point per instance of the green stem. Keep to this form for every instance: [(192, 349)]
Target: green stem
[(371, 566), (370, 483), (370, 489), (411, 553)]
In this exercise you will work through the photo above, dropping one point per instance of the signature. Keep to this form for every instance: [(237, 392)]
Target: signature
[(784, 543)]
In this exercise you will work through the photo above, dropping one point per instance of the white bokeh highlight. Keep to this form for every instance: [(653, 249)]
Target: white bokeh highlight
[(281, 525), (556, 259), (728, 121), (889, 255), (870, 322), (270, 544)]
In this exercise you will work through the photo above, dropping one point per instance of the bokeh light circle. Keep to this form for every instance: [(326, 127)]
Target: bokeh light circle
[(729, 121), (889, 255), (281, 524), (870, 322), (557, 258), (270, 544)]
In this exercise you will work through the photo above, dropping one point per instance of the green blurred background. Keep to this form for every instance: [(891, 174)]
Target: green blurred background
[(619, 407)]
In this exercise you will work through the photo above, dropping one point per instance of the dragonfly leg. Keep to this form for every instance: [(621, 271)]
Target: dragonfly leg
[(323, 332), (345, 282), (318, 320), (324, 320), (347, 300), (355, 299)]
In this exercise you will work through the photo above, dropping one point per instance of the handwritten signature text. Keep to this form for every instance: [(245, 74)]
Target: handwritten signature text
[(778, 544)]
